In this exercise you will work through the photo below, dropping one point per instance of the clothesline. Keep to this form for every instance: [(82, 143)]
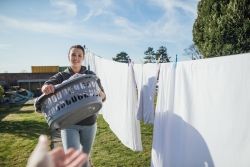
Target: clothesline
[(202, 109)]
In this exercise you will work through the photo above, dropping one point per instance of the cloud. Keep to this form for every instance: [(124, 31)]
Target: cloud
[(67, 7), (97, 8), (176, 22), (61, 29), (168, 27), (123, 29), (173, 5), (128, 28), (36, 26), (104, 22)]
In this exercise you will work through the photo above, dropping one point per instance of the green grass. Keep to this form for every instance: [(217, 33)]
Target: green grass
[(109, 151), (20, 128)]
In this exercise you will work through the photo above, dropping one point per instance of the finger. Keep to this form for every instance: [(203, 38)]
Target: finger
[(47, 91), (69, 152), (79, 161), (39, 155), (44, 88), (52, 89), (58, 152), (72, 156), (57, 156)]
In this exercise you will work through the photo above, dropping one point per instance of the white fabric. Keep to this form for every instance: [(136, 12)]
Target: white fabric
[(134, 130), (208, 123), (89, 61), (138, 79), (119, 109), (146, 84)]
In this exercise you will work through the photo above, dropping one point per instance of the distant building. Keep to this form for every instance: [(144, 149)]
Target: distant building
[(47, 69), (44, 69), (31, 81)]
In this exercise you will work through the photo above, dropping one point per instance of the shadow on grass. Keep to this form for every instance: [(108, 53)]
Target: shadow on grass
[(109, 151), (7, 109), (24, 112), (29, 129)]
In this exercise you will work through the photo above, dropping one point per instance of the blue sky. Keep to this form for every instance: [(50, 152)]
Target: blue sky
[(41, 32)]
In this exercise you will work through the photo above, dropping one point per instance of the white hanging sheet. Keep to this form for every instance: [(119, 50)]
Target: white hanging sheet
[(119, 109), (208, 123), (146, 79), (89, 61)]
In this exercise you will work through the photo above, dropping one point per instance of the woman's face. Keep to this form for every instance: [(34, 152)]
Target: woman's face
[(76, 57)]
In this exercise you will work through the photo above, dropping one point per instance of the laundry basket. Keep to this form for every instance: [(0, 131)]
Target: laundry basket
[(72, 101)]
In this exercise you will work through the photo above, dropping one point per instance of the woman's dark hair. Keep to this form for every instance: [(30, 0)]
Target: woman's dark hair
[(77, 47)]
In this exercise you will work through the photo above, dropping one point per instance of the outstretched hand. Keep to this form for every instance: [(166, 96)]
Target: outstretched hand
[(55, 158), (72, 157)]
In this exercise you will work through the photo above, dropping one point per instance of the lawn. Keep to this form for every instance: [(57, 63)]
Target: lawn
[(20, 128)]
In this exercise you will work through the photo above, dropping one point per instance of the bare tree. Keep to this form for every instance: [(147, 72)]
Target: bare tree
[(193, 52)]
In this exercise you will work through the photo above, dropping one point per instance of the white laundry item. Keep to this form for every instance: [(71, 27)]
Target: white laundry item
[(137, 68), (175, 142), (89, 61), (146, 89), (208, 123), (119, 109), (213, 96), (132, 108)]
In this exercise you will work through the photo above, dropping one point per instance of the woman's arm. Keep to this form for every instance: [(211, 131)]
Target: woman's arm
[(49, 87)]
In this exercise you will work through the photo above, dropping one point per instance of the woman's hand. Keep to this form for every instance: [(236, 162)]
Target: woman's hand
[(102, 95), (47, 89)]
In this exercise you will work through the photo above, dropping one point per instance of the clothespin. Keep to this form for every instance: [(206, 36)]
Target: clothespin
[(159, 59), (176, 60), (87, 52), (129, 61), (88, 60), (159, 67)]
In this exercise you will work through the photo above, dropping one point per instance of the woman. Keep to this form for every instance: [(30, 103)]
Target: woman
[(82, 134)]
